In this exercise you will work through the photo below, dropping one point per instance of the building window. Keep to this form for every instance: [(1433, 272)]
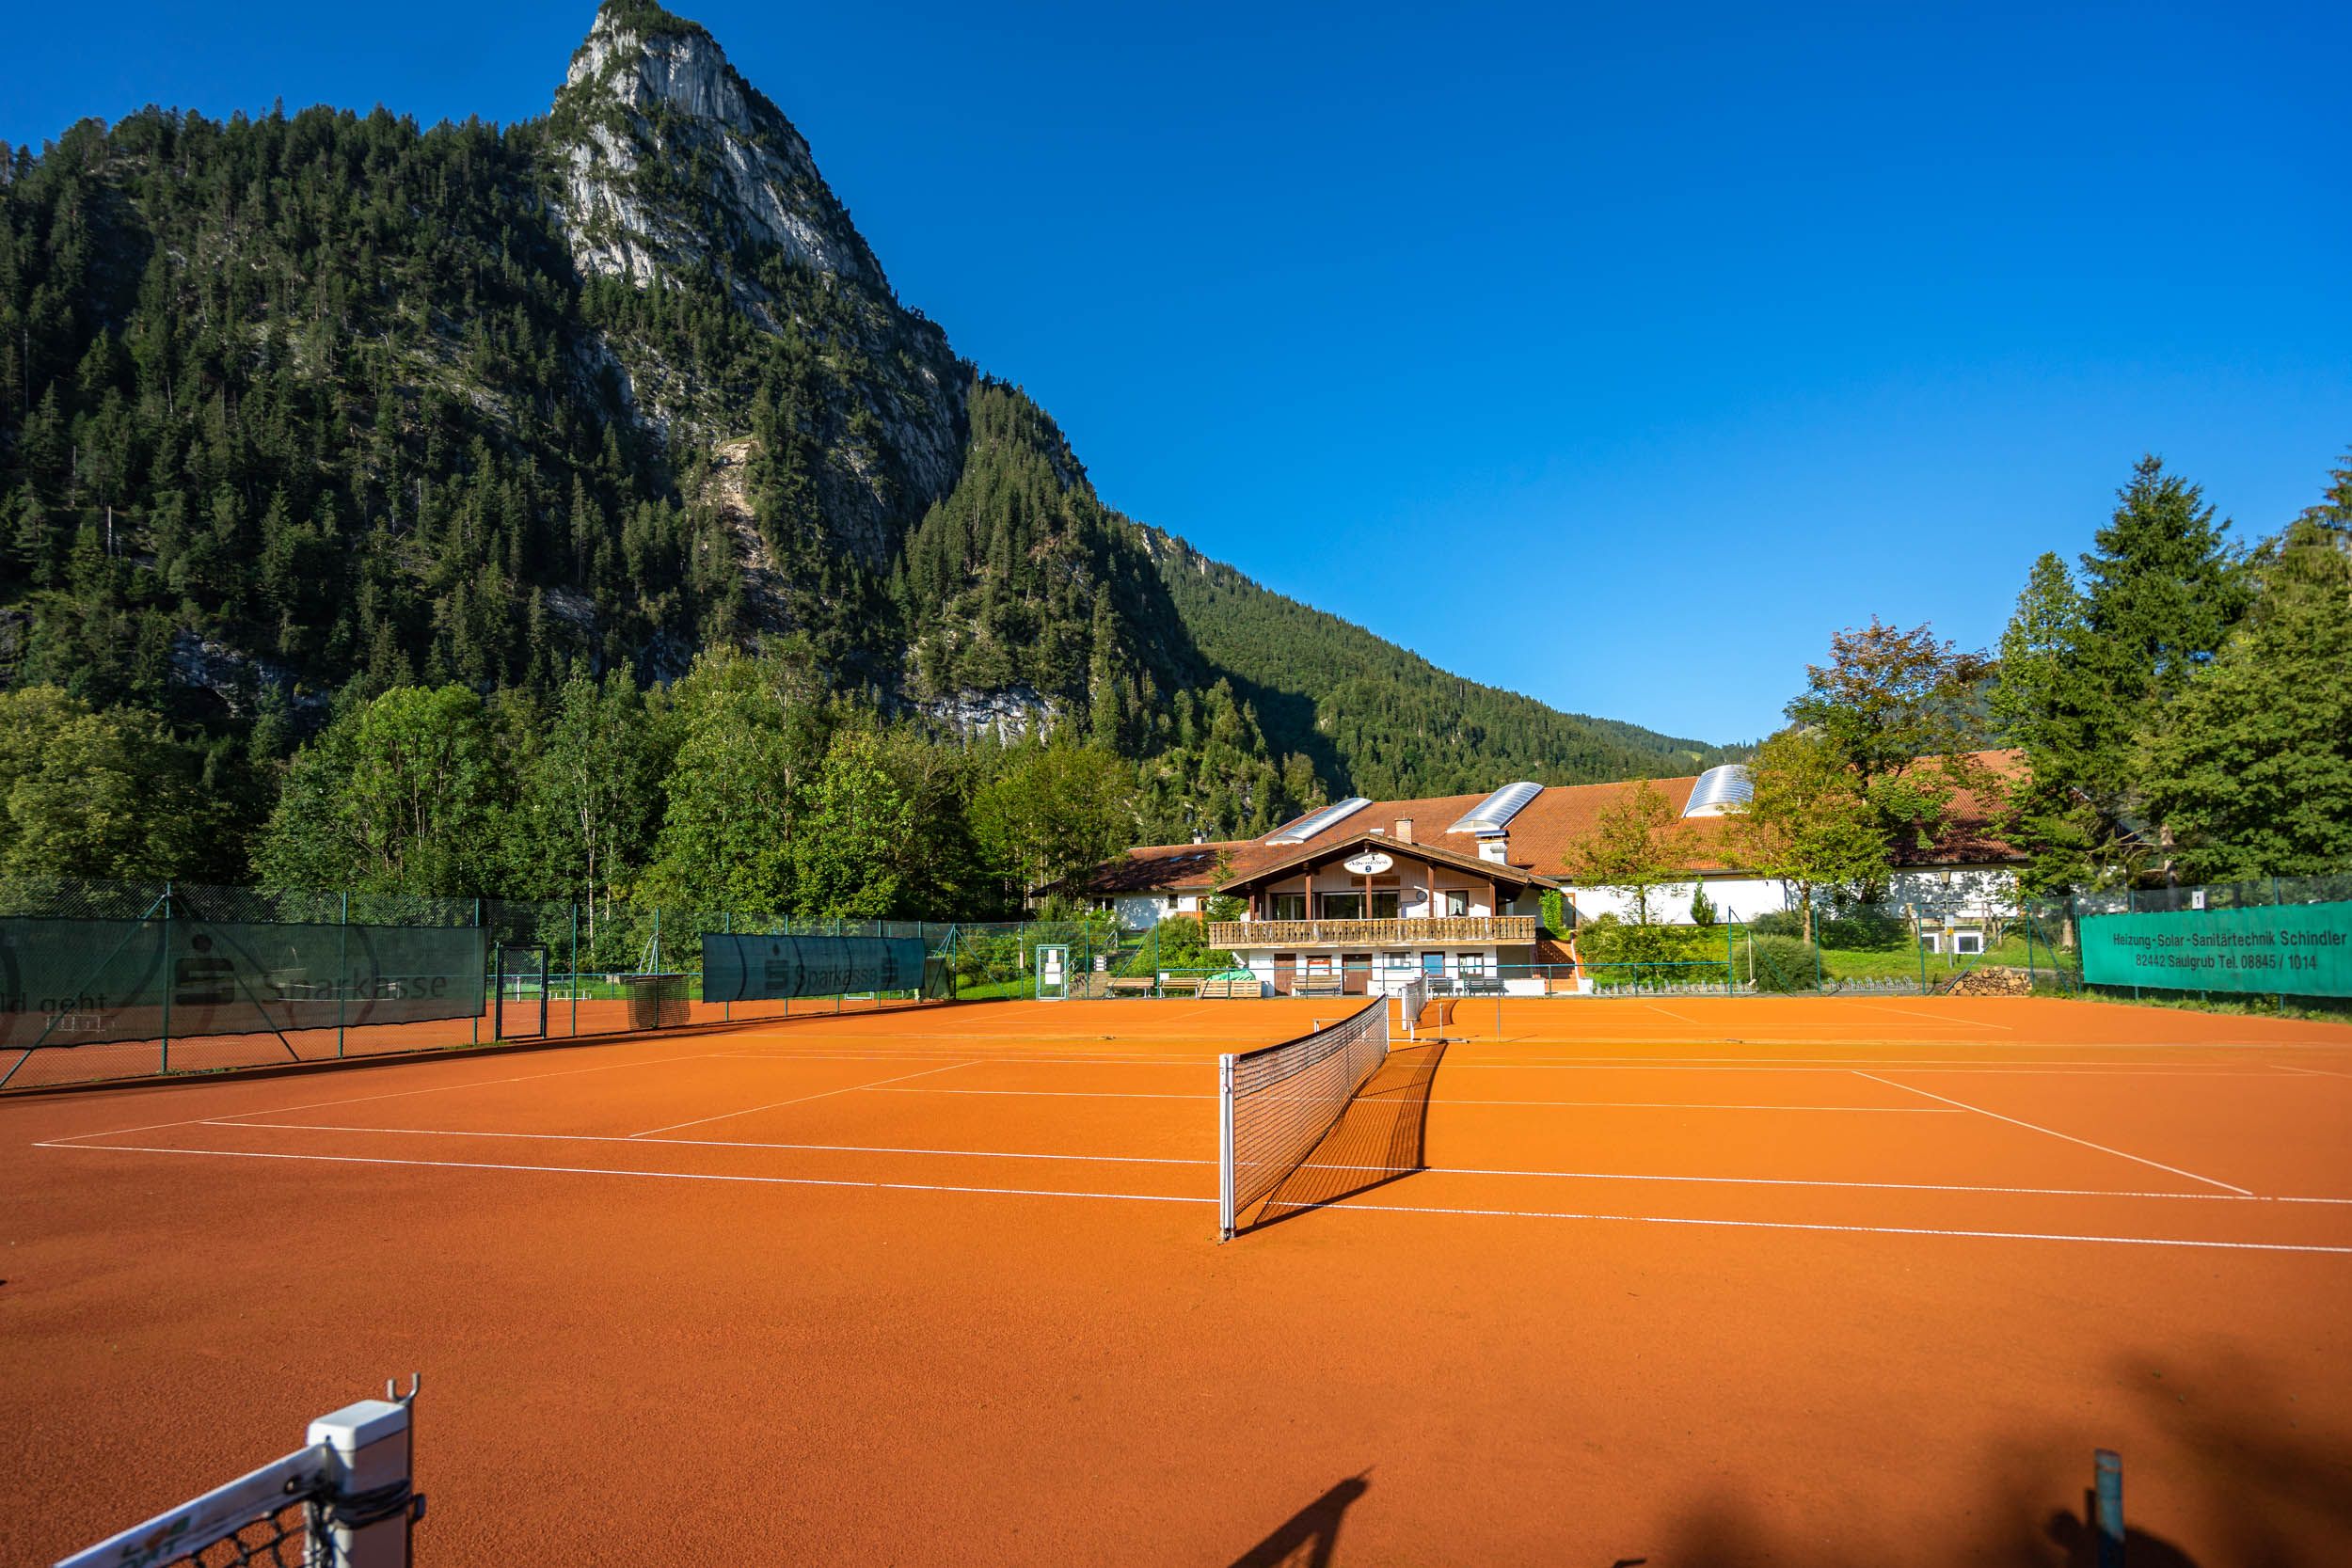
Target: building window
[(1286, 906), (1341, 905), (1472, 963), (1401, 963), (1931, 940), (1453, 902), (1967, 942), (1384, 904)]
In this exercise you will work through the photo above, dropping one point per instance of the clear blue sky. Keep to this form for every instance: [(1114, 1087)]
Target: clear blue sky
[(1616, 354)]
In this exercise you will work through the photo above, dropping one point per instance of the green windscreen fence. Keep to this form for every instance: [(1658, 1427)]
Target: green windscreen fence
[(2283, 949), (739, 968), (68, 982)]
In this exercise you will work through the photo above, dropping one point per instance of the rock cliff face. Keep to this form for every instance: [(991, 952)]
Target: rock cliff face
[(651, 96), (670, 165)]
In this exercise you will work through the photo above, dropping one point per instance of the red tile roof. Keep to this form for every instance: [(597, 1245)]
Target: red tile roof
[(1539, 836)]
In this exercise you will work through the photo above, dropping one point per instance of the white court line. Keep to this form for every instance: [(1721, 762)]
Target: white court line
[(400, 1094), (1174, 1160), (2319, 1071), (1701, 1105), (918, 1055), (1347, 1205), (801, 1100), (2070, 1137), (1160, 1198), (1676, 1017), (749, 1143), (1830, 1065), (654, 1175), (1060, 1094), (1602, 1104), (1935, 1018)]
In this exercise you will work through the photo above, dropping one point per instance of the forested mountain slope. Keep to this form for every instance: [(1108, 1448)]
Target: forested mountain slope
[(1383, 718), (298, 409)]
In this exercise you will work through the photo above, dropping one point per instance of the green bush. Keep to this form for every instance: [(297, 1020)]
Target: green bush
[(1783, 964), (1867, 930), (1778, 923), (1180, 941)]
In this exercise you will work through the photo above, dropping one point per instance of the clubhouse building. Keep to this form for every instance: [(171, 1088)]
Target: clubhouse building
[(1363, 895)]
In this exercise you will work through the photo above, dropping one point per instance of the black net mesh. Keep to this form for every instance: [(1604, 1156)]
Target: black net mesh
[(280, 1539)]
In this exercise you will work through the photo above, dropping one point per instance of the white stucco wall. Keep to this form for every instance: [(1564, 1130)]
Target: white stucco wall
[(1962, 893)]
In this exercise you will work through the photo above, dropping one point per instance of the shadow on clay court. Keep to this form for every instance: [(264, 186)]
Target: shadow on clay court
[(1382, 1139), (1308, 1538)]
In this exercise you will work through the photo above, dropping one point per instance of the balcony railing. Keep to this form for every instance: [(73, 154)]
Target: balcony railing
[(1501, 930)]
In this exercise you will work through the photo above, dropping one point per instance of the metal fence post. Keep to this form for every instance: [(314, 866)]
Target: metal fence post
[(1813, 920), (1731, 958), (162, 1063), (574, 906), (726, 923), (342, 969), (476, 1022)]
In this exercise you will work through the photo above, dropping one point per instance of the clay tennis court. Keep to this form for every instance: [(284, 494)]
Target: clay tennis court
[(1697, 1281)]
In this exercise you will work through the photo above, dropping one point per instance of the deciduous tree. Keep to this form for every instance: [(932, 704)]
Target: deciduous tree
[(1809, 823), (1639, 843)]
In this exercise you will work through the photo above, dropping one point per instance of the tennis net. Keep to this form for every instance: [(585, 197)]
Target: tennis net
[(1276, 1104), (1411, 1002), (344, 1499)]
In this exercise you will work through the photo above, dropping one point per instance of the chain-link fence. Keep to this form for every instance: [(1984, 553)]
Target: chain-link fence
[(113, 979)]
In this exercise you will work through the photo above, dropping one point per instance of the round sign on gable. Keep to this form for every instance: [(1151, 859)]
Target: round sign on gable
[(1370, 863)]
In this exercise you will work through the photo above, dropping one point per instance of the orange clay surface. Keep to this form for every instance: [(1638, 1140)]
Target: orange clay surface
[(1691, 1282)]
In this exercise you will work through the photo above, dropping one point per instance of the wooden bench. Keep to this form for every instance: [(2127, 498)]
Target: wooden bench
[(1179, 985), (1131, 985), (1216, 990)]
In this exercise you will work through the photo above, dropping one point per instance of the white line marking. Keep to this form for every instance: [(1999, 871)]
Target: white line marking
[(1160, 1198), (657, 1174), (913, 1056), (485, 1082), (1599, 1104), (1676, 1017), (1346, 1206), (741, 1143), (801, 1100), (1937, 1019), (1172, 1160), (357, 1100), (1701, 1105), (2069, 1137), (1847, 1066)]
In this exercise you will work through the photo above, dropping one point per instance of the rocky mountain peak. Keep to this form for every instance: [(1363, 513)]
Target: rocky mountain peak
[(672, 159)]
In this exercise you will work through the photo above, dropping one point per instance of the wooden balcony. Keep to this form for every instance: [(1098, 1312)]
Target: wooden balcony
[(1447, 930)]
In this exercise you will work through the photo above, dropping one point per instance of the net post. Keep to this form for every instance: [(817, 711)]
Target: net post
[(474, 1025), (364, 1520), (1225, 1149), (2106, 1490)]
